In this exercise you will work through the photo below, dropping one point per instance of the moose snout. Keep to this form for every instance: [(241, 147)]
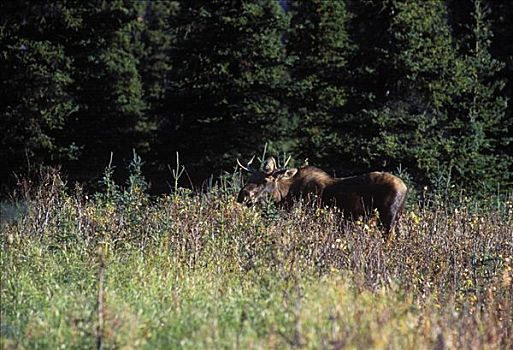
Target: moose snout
[(246, 196), (243, 195)]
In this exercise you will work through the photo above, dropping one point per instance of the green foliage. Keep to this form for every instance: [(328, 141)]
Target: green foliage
[(501, 48), (227, 88), (319, 45), (35, 79), (442, 110), (350, 86), (108, 86), (154, 41), (483, 124), (133, 194)]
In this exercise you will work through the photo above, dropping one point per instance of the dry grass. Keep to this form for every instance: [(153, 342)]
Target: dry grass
[(201, 271)]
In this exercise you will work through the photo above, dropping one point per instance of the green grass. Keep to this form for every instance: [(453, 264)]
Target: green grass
[(190, 271)]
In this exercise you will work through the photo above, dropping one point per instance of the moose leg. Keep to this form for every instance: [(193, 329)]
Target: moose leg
[(391, 216), (388, 223)]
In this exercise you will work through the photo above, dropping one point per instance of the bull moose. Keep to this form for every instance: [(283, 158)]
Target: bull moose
[(355, 196)]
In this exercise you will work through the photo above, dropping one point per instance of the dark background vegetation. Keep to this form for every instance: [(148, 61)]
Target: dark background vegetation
[(349, 85)]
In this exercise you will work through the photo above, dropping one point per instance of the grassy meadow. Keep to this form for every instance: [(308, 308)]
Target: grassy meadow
[(193, 271)]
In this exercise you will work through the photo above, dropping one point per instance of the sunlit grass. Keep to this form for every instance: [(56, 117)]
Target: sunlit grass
[(191, 271)]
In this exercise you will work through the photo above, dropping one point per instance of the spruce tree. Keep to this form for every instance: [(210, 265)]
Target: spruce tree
[(371, 79), (480, 126), (319, 45), (156, 40), (406, 127), (107, 85), (154, 62), (228, 82), (154, 66), (501, 48), (439, 110), (35, 82)]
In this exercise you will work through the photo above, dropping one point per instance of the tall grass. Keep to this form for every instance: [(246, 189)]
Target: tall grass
[(201, 271)]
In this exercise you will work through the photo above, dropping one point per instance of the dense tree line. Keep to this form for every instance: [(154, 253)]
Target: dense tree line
[(348, 85)]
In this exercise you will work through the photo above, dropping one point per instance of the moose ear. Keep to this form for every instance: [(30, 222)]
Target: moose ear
[(269, 165), (289, 174)]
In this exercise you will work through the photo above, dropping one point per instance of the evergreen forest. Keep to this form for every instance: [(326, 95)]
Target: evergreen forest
[(349, 86)]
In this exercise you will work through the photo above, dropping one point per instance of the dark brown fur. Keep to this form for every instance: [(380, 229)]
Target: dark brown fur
[(355, 196)]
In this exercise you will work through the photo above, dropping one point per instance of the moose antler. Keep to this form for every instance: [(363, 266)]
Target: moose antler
[(287, 161), (248, 166)]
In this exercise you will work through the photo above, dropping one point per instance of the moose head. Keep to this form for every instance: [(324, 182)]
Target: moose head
[(271, 180)]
